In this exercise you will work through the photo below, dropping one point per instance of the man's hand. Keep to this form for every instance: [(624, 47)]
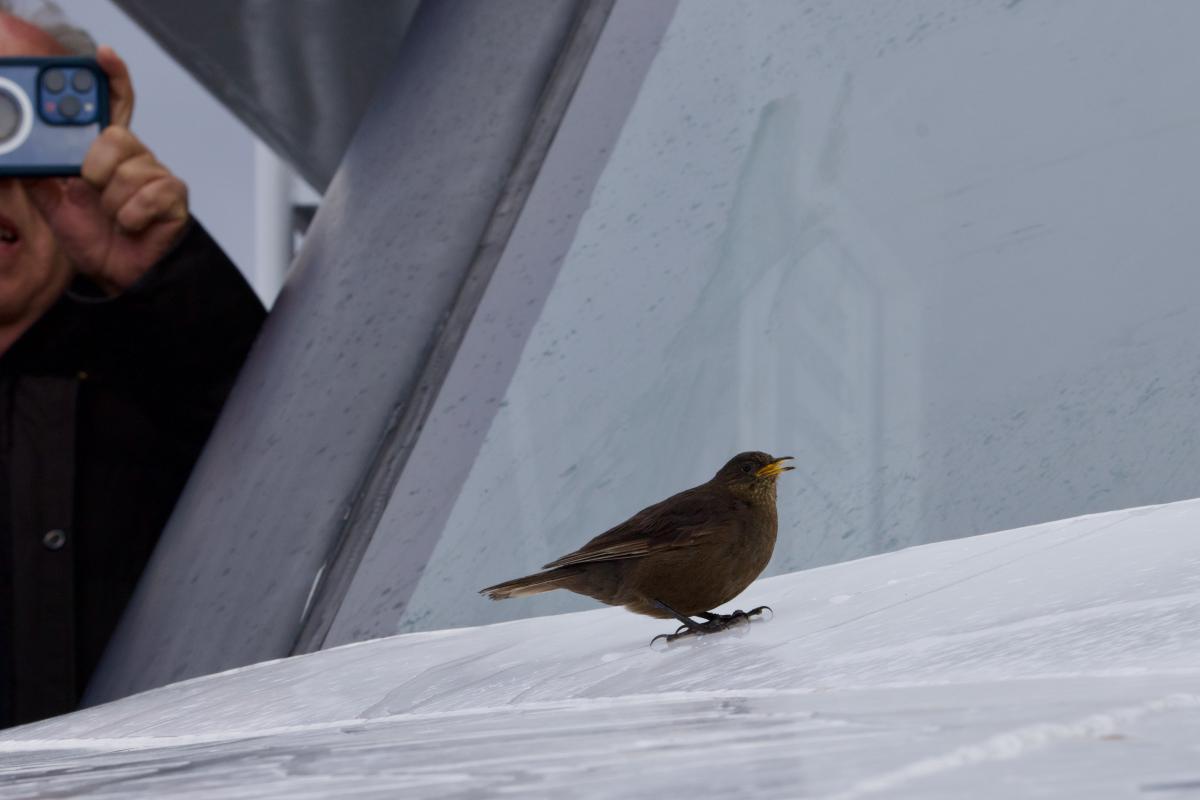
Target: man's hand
[(127, 210)]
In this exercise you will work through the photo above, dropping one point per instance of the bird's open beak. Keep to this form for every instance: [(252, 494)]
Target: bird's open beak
[(775, 468)]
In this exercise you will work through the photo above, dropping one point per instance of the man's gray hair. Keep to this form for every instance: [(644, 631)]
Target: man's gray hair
[(46, 15)]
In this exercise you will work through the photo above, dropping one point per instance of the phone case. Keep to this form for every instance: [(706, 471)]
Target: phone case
[(51, 109)]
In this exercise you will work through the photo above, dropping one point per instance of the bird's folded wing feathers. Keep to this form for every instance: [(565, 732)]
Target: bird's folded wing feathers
[(678, 521)]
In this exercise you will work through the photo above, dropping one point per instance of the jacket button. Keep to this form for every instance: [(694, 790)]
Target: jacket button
[(54, 539)]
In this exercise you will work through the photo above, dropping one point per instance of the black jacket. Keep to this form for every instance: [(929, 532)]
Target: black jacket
[(105, 405)]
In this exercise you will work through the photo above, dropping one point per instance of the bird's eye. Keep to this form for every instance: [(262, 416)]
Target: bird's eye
[(747, 467)]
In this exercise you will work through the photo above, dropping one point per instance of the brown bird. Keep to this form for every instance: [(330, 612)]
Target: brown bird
[(678, 558)]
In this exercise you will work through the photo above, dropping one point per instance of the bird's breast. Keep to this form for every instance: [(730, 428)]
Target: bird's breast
[(750, 551)]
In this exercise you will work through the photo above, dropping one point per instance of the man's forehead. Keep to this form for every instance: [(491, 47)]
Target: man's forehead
[(21, 38)]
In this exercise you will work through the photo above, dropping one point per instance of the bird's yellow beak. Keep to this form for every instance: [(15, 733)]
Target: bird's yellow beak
[(775, 468)]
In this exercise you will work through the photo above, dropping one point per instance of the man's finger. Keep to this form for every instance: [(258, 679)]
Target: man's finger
[(130, 176), (120, 86), (160, 200), (112, 147)]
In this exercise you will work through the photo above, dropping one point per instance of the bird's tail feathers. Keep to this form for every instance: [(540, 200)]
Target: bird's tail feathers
[(531, 584)]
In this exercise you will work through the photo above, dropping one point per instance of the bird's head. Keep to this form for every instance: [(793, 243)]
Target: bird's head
[(753, 472)]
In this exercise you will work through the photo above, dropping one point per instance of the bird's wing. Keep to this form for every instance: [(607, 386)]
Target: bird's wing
[(678, 521)]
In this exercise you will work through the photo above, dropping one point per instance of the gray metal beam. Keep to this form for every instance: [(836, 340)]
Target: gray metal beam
[(299, 73), (410, 417), (343, 353), (442, 452)]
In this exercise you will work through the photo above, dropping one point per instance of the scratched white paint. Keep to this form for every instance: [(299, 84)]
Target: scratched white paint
[(1060, 660)]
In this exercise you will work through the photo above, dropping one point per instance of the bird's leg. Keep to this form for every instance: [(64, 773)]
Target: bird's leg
[(689, 624), (689, 627), (712, 622)]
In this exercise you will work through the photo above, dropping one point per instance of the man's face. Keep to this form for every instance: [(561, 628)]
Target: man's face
[(33, 273)]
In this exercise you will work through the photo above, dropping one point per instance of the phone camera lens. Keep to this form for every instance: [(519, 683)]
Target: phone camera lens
[(10, 116), (82, 80), (16, 115), (69, 107), (54, 80)]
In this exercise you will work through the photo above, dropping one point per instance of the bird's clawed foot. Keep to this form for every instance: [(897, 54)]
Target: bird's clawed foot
[(714, 623), (738, 616)]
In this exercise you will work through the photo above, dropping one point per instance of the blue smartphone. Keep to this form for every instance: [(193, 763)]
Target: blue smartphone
[(51, 109)]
